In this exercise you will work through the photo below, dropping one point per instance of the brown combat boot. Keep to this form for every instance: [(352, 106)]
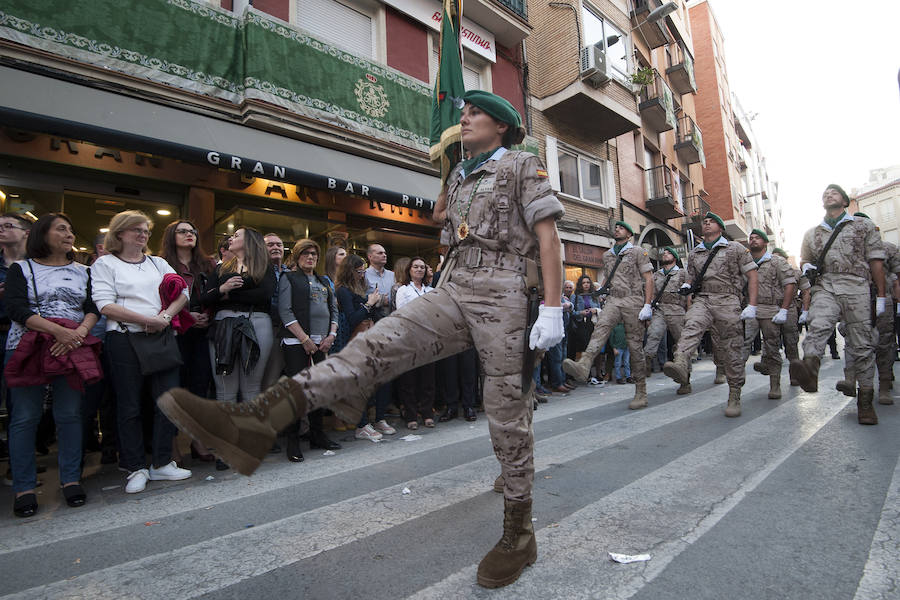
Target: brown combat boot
[(580, 369), (761, 368), (516, 549), (678, 369), (640, 396), (241, 434), (806, 372), (499, 483), (865, 412), (684, 388), (720, 375), (734, 402), (775, 385), (847, 385), (884, 392)]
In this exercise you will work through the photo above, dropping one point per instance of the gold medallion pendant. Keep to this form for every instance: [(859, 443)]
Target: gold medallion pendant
[(463, 230)]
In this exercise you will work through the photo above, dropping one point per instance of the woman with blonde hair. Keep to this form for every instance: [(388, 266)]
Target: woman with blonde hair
[(126, 289)]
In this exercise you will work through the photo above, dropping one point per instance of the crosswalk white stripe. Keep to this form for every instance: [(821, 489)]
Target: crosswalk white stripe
[(253, 552), (880, 579), (661, 513), (16, 535)]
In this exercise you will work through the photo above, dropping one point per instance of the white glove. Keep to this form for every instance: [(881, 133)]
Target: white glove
[(748, 313), (685, 286), (646, 313), (547, 331), (804, 315), (780, 317), (807, 267), (879, 306)]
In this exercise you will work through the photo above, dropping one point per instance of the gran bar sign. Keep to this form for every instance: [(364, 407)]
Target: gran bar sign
[(258, 168), (584, 254)]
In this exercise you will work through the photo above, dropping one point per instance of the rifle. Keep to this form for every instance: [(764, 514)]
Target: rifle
[(529, 357)]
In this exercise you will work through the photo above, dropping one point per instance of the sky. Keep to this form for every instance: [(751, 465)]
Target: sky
[(822, 77)]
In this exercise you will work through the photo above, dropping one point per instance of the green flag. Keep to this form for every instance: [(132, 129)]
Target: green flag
[(447, 103)]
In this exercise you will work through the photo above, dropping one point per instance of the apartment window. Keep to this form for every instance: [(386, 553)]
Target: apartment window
[(356, 32), (580, 176), (474, 68), (597, 30)]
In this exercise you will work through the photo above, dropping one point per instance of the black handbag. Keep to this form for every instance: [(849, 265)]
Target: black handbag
[(156, 351)]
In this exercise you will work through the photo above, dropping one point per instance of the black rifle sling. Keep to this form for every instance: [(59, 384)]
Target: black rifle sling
[(661, 290), (619, 258), (699, 280), (821, 260)]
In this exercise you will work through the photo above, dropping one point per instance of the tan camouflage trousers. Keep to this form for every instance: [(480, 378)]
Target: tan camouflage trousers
[(482, 307), (625, 311), (657, 329), (825, 311), (771, 344), (791, 334), (885, 346), (722, 316)]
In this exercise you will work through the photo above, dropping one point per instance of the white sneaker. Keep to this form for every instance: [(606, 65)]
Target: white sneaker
[(170, 472), (368, 433), (595, 381), (383, 428), (137, 481)]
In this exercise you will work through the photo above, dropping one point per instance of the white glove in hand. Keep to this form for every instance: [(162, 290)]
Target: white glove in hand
[(780, 317), (804, 315), (748, 313), (685, 286), (879, 306), (547, 331), (807, 267), (646, 313)]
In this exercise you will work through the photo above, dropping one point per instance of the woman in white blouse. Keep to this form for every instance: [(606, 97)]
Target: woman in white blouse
[(126, 290), (416, 386)]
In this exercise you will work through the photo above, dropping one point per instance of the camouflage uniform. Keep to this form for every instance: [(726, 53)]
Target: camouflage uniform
[(669, 311), (774, 275), (841, 292), (480, 301), (791, 328), (718, 306), (625, 300)]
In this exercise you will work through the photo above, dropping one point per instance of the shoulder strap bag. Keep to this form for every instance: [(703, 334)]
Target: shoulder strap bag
[(156, 352)]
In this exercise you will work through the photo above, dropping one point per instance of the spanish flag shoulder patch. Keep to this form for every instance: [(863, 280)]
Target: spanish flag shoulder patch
[(542, 173)]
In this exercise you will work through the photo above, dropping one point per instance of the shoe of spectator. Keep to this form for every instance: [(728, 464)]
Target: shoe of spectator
[(561, 390), (542, 399), (629, 380), (383, 428), (319, 440), (275, 449), (469, 414), (570, 387), (221, 465), (137, 481), (595, 381), (450, 414), (169, 472), (620, 381), (368, 433), (542, 390)]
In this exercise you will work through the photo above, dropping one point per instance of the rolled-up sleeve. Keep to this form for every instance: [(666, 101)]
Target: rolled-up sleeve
[(746, 260), (103, 284), (537, 197)]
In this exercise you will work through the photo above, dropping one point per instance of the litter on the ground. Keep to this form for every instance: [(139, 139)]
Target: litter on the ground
[(406, 491), (209, 478), (628, 558), (149, 523), (328, 453), (411, 437)]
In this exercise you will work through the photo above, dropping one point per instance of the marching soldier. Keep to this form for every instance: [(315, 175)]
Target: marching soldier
[(630, 290), (716, 270), (790, 331), (886, 345), (838, 256), (668, 308), (499, 216), (776, 288)]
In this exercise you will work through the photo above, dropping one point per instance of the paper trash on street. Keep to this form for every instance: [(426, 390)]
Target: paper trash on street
[(406, 491), (328, 453), (411, 437), (628, 558)]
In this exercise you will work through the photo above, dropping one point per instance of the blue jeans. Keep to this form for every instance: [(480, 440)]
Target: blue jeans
[(555, 356), (381, 400), (623, 358), (26, 407), (127, 382)]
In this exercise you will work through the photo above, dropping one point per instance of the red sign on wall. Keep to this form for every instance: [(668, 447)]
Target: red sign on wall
[(584, 254)]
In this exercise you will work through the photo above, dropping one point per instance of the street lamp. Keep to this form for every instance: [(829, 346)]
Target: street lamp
[(652, 17)]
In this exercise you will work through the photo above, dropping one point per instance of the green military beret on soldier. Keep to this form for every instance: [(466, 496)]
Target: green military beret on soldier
[(500, 109), (716, 218), (761, 234), (780, 252), (624, 225), (672, 251), (863, 215)]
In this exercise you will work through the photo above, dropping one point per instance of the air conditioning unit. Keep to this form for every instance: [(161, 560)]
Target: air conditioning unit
[(594, 67)]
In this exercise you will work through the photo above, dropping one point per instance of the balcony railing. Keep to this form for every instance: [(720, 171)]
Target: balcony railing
[(517, 6), (655, 34), (688, 141), (681, 73), (695, 208), (657, 106), (660, 195)]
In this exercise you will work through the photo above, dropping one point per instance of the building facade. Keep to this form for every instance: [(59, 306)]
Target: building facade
[(880, 199), (234, 115)]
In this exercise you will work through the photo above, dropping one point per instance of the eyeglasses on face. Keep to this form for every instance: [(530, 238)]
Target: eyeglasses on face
[(139, 231), (309, 253), (184, 231), (10, 226)]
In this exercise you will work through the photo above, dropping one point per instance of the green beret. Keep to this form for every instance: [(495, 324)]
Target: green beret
[(494, 105), (839, 190), (761, 234), (625, 225), (672, 250), (716, 218), (780, 252), (863, 215)]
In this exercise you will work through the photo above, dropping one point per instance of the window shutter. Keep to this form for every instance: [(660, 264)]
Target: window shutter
[(553, 163), (318, 17), (609, 185)]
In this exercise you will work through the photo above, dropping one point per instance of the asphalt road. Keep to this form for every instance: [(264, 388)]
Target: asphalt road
[(793, 499)]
